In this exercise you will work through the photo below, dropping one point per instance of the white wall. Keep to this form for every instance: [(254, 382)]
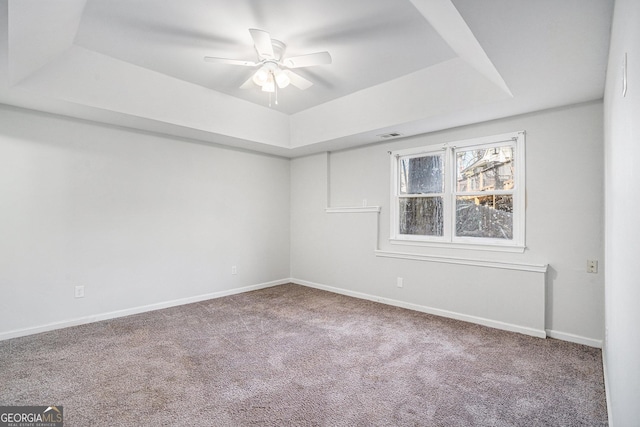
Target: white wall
[(138, 219), (564, 227), (622, 292)]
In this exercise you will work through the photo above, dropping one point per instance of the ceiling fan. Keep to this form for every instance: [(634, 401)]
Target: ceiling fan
[(274, 70)]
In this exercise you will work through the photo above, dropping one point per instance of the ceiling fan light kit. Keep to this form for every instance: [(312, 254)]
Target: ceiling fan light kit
[(274, 72), (270, 75)]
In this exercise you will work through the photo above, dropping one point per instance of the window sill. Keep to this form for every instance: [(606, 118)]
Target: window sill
[(465, 246), (535, 268), (357, 209)]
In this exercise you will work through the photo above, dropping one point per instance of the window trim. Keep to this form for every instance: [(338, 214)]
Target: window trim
[(448, 239)]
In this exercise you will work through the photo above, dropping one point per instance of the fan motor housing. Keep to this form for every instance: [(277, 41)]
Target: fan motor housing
[(278, 49)]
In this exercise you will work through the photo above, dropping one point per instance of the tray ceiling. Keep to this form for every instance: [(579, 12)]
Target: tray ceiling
[(406, 66)]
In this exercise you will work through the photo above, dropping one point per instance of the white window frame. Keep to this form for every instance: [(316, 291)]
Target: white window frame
[(449, 239)]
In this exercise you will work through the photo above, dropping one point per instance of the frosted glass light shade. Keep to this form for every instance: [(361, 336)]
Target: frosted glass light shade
[(260, 77), (282, 79), (269, 85)]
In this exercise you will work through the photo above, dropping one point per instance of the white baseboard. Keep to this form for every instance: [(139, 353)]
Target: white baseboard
[(578, 339), (425, 309), (135, 310), (430, 310)]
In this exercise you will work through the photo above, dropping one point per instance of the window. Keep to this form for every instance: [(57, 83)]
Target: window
[(461, 193)]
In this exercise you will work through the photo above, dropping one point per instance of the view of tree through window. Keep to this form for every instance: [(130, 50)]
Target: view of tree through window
[(421, 187), (422, 175)]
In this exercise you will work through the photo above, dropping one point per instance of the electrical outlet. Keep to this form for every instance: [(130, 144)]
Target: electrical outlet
[(234, 269), (79, 291), (400, 282), (364, 203), (592, 266)]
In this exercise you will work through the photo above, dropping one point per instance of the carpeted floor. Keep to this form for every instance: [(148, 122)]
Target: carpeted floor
[(291, 355)]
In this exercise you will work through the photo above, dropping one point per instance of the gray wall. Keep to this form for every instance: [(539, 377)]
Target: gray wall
[(564, 227), (137, 219), (622, 293)]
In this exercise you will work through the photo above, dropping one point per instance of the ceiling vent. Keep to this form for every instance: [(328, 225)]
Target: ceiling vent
[(390, 135)]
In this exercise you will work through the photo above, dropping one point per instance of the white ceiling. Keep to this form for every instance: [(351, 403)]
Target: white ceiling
[(408, 66)]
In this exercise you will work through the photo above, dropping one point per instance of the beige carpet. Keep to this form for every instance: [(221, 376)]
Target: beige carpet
[(291, 355)]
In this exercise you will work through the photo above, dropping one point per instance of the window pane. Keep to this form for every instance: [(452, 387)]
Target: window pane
[(421, 215), (485, 169), (421, 175), (485, 216)]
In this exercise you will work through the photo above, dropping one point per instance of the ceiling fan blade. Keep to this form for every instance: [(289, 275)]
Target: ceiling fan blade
[(318, 58), (298, 81), (262, 41), (230, 61)]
